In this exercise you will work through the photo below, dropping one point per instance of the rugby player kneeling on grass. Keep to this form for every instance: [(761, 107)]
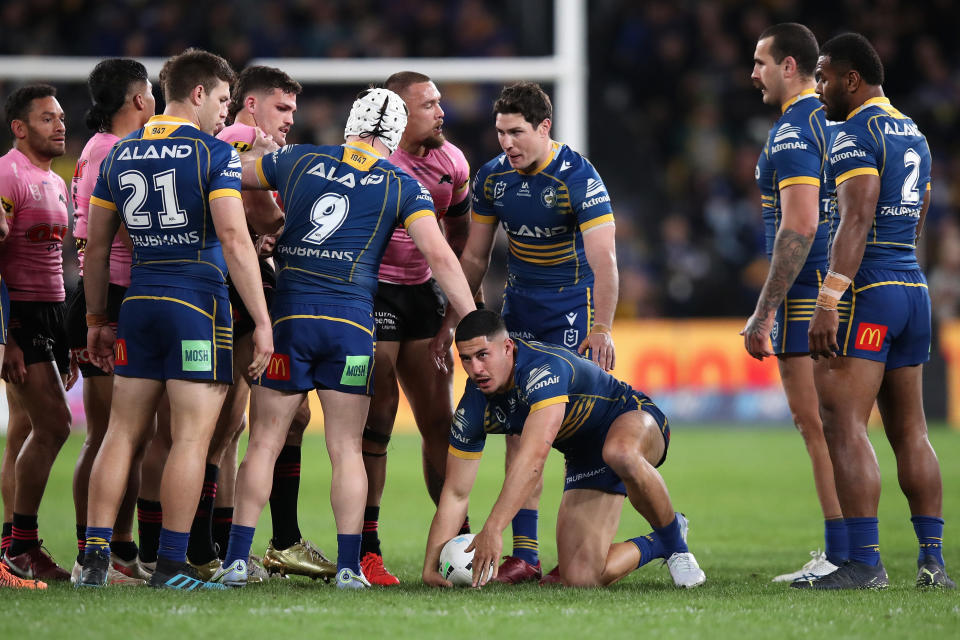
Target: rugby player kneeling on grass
[(611, 436)]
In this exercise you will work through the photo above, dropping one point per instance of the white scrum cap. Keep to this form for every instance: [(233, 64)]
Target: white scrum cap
[(378, 112)]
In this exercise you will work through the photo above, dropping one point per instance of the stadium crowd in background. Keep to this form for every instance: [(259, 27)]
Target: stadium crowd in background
[(671, 80)]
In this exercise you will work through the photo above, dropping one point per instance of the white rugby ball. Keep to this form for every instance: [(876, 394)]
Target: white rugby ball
[(456, 565)]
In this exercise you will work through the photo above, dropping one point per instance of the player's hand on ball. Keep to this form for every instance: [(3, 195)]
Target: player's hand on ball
[(262, 350), (432, 578), (486, 548)]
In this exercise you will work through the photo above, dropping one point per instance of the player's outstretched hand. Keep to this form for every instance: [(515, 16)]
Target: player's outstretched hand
[(486, 547), (262, 350), (13, 371), (756, 334), (432, 578), (822, 334), (601, 348)]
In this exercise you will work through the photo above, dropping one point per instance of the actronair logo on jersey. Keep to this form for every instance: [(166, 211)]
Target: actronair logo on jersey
[(786, 132), (540, 378), (595, 194), (845, 141)]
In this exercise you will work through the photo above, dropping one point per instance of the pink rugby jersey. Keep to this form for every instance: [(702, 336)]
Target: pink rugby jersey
[(240, 135), (84, 180), (446, 174), (35, 203)]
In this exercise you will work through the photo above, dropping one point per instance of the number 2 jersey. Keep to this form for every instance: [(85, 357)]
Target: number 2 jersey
[(878, 140), (161, 179), (342, 204), (544, 213)]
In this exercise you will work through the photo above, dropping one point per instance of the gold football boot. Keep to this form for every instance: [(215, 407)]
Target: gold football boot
[(205, 571), (301, 559)]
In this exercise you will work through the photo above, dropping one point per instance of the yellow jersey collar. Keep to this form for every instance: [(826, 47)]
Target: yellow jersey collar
[(806, 93), (868, 103), (554, 147), (163, 119), (363, 147)]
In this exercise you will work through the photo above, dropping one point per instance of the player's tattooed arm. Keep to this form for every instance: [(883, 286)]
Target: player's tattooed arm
[(790, 250), (798, 228)]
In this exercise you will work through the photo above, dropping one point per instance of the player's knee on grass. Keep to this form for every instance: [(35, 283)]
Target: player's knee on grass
[(578, 574)]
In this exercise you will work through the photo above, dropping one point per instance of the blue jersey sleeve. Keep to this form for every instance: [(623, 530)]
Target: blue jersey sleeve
[(415, 201), (796, 155), (467, 435), (267, 167), (102, 196), (224, 171), (589, 197), (543, 381), (483, 197), (854, 152)]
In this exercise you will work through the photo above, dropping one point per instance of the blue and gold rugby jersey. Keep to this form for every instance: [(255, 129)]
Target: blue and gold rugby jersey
[(342, 204), (795, 153), (878, 140), (543, 375), (544, 213), (161, 179)]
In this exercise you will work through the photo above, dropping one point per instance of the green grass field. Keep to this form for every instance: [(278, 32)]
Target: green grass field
[(753, 514)]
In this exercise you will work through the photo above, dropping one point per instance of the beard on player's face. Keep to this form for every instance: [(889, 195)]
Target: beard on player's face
[(434, 141)]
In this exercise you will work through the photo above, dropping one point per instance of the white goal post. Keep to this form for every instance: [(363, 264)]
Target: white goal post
[(566, 69)]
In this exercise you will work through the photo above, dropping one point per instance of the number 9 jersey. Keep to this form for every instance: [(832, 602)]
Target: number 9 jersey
[(342, 204), (162, 178)]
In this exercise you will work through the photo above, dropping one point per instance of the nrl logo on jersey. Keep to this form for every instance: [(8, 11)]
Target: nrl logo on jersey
[(499, 189), (540, 378)]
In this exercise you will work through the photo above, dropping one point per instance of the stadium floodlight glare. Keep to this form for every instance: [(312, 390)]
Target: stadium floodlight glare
[(566, 69)]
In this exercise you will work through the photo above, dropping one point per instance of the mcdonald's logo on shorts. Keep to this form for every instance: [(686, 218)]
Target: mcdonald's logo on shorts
[(279, 367), (870, 336), (120, 352)]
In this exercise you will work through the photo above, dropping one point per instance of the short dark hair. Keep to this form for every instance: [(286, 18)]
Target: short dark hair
[(482, 322), (527, 99), (181, 73), (108, 84), (795, 40), (855, 53), (20, 102), (260, 78), (401, 80)]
